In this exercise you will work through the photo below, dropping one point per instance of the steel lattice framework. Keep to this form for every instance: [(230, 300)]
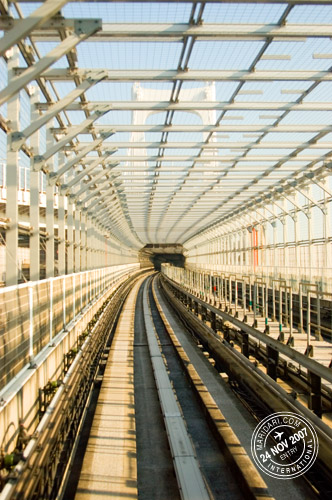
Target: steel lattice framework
[(167, 129)]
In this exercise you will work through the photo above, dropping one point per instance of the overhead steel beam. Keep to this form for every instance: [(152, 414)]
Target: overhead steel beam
[(19, 137), (73, 132), (270, 197), (161, 31), (311, 177), (105, 198), (47, 32), (85, 187), (54, 177), (196, 105), (222, 145), (65, 188), (107, 214), (293, 184), (94, 192), (83, 29), (164, 75), (23, 27), (218, 159), (206, 31), (250, 128), (290, 2)]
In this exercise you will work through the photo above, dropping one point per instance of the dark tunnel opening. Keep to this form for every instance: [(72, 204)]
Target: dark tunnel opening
[(176, 259)]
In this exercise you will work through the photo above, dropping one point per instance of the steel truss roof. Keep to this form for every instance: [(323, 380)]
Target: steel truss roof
[(170, 126)]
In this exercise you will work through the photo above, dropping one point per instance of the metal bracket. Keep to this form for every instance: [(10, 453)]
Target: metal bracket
[(85, 26)]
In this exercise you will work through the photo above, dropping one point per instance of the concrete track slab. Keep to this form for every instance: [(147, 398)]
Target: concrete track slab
[(109, 468)]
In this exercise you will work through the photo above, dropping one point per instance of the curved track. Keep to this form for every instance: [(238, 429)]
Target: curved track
[(161, 423)]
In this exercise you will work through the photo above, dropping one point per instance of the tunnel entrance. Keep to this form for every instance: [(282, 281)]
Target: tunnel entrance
[(157, 254), (176, 259)]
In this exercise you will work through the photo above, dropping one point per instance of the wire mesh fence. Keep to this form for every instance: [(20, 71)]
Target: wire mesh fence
[(34, 313)]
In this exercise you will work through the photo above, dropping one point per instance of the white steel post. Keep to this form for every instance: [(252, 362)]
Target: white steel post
[(13, 106), (34, 195), (81, 292), (74, 301), (77, 224), (309, 243), (64, 301), (308, 317), (31, 355), (49, 210), (51, 310), (70, 238)]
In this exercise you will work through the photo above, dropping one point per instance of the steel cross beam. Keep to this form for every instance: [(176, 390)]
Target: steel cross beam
[(274, 216), (280, 191), (65, 188), (54, 177), (106, 212), (23, 27), (205, 31), (196, 105), (222, 145), (48, 31), (293, 184), (218, 159), (26, 75), (86, 187), (101, 201), (73, 132), (164, 75), (311, 175), (290, 2), (257, 128), (106, 217), (19, 137), (94, 192), (271, 198), (249, 213)]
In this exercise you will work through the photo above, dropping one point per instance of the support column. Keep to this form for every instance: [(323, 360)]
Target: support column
[(87, 241), (83, 242), (12, 176), (309, 243), (49, 210), (70, 238), (34, 195), (98, 242), (89, 235), (77, 223), (61, 228), (326, 227)]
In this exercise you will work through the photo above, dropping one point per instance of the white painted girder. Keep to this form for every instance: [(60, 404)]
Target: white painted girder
[(72, 133), (22, 27), (64, 74), (177, 31), (78, 176), (224, 128), (291, 2), (222, 145), (19, 137), (26, 75), (195, 105), (54, 177), (217, 159)]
